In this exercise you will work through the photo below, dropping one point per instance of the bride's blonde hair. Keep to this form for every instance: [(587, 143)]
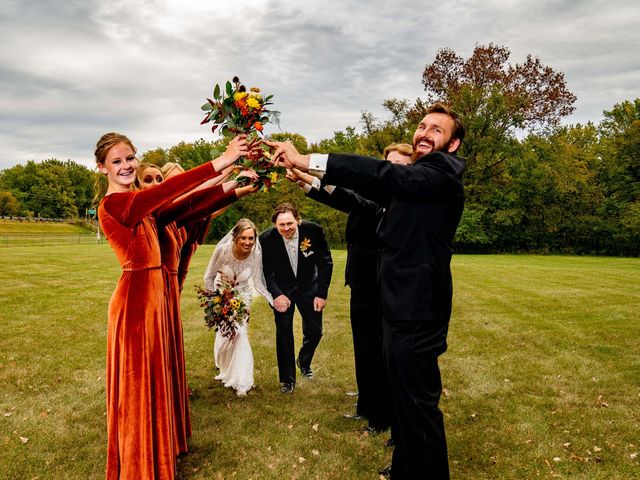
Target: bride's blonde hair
[(242, 225)]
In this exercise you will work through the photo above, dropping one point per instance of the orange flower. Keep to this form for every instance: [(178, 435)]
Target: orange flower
[(258, 126)]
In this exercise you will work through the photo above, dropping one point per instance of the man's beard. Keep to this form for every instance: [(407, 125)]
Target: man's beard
[(415, 155)]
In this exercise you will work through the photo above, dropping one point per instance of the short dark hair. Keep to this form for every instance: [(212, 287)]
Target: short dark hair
[(284, 208), (458, 129)]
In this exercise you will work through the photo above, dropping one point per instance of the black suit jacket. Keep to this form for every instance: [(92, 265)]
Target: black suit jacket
[(314, 269), (361, 269), (425, 203)]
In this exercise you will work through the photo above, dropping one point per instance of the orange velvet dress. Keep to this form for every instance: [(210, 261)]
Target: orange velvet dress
[(171, 223), (140, 430), (196, 233)]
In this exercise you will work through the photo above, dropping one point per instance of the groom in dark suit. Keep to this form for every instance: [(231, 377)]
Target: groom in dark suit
[(297, 267), (424, 205)]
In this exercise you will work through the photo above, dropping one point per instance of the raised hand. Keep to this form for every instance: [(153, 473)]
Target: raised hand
[(286, 155), (290, 175), (237, 147), (251, 175)]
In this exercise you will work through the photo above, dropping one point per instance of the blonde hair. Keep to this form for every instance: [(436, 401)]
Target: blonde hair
[(242, 225), (137, 183), (402, 148), (169, 167)]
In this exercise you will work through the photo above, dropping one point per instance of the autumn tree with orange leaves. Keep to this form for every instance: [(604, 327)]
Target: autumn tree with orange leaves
[(496, 99)]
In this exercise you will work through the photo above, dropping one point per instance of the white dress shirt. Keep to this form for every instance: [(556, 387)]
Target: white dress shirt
[(291, 246)]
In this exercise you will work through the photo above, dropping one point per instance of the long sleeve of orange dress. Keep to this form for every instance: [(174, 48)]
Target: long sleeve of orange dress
[(140, 436), (196, 233), (170, 220)]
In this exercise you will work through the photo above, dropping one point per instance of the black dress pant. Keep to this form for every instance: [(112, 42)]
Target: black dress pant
[(421, 447), (374, 396), (311, 335)]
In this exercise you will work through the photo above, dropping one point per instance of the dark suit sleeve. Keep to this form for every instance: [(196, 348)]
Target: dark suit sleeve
[(324, 262), (432, 177), (345, 200), (268, 266)]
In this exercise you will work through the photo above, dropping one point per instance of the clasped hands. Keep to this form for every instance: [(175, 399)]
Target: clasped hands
[(282, 303)]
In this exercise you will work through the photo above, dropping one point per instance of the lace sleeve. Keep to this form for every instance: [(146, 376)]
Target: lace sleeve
[(257, 274), (216, 262)]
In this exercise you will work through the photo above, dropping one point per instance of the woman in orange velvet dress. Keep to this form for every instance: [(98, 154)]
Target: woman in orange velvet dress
[(171, 221), (140, 430)]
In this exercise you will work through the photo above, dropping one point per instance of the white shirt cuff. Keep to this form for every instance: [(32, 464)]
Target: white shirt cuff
[(318, 164), (306, 188)]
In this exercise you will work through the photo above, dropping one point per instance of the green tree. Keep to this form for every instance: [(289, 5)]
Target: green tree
[(619, 175), (45, 188), (9, 205), (496, 100), (347, 141)]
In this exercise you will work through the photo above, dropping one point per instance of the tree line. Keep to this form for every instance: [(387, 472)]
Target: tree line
[(532, 184)]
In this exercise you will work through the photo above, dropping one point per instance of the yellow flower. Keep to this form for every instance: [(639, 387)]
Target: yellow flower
[(273, 176), (217, 299), (239, 95), (235, 303), (255, 89), (305, 245), (253, 103)]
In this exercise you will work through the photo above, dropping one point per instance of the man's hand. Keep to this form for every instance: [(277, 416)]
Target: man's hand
[(281, 303), (286, 155), (319, 304)]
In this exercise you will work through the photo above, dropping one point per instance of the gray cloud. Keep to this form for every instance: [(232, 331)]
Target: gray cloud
[(70, 71)]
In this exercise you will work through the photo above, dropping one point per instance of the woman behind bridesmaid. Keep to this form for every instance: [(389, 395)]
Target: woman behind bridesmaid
[(171, 222), (196, 231), (140, 435)]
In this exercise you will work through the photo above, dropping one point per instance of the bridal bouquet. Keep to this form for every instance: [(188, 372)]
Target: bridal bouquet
[(235, 111), (224, 309)]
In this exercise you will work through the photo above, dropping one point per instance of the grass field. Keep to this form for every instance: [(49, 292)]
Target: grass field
[(25, 233), (542, 376)]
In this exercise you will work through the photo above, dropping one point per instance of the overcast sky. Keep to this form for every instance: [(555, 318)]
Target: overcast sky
[(71, 70)]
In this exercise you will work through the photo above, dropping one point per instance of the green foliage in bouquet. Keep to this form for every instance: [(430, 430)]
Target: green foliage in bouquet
[(224, 309), (235, 111)]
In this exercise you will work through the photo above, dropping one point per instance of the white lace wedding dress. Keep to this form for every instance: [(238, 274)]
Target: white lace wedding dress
[(234, 358)]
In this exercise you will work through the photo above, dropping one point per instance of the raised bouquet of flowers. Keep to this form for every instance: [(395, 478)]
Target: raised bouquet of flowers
[(234, 110), (224, 309)]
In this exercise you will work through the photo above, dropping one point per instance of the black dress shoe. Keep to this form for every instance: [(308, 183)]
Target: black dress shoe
[(385, 472), (287, 387), (372, 430), (306, 372), (353, 416)]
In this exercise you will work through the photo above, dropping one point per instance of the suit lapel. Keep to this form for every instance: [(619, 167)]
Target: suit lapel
[(282, 249)]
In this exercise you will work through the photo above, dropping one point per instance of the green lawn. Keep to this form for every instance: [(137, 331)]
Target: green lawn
[(542, 376), (16, 233)]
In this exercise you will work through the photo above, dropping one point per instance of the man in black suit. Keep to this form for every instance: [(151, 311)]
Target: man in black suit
[(425, 202), (297, 268), (374, 395)]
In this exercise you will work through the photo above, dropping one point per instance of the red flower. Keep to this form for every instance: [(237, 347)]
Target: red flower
[(258, 126)]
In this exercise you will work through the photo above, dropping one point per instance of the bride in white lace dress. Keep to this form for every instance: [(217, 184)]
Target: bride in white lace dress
[(238, 255)]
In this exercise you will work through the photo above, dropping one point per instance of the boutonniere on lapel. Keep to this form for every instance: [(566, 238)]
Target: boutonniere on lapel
[(305, 245)]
